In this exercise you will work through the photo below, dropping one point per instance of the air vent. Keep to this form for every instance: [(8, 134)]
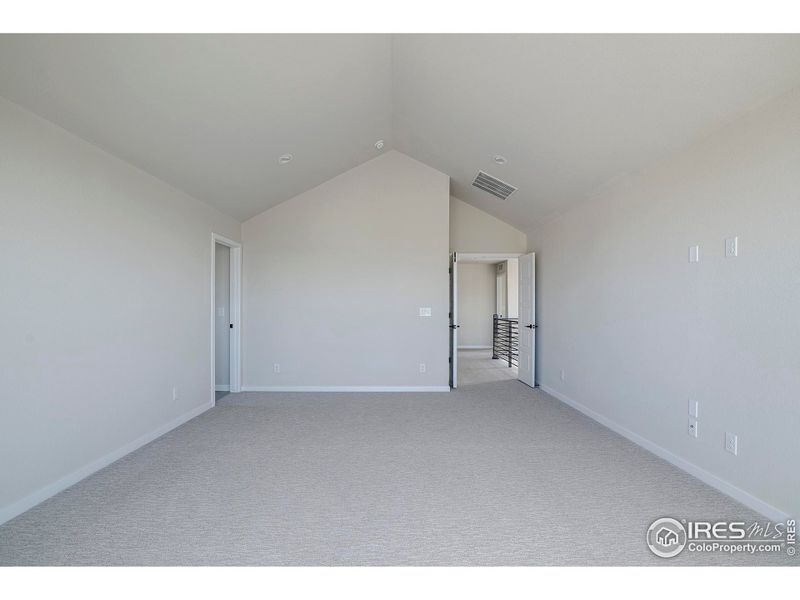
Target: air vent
[(493, 185)]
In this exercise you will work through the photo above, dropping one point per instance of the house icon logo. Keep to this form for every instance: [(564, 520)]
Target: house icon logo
[(666, 537)]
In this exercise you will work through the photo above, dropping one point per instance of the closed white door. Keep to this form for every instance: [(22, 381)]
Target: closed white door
[(527, 322)]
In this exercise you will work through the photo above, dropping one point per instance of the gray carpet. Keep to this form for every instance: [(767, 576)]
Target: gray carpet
[(493, 474), (477, 366)]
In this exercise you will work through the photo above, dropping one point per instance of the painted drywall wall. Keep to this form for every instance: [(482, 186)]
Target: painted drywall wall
[(222, 302), (476, 304), (335, 277), (639, 330), (472, 230), (512, 287), (105, 302), (501, 290)]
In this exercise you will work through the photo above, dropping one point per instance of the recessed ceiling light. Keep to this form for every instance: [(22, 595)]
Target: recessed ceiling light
[(379, 144), (500, 160), (285, 159)]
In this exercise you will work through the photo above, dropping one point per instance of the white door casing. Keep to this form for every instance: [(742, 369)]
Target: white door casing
[(235, 311), (453, 320)]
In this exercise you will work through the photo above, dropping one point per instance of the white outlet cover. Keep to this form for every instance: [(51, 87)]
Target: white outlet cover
[(732, 443), (425, 311), (276, 368), (422, 367), (692, 428), (694, 254)]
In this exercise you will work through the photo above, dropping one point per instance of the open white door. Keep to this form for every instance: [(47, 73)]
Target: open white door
[(453, 320), (527, 322)]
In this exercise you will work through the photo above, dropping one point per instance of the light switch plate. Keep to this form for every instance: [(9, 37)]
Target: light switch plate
[(425, 311), (694, 409), (732, 246), (694, 254)]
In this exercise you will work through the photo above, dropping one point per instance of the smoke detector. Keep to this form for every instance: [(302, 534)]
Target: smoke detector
[(379, 144)]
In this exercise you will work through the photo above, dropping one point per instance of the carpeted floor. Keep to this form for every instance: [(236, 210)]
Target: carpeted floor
[(477, 366), (492, 474)]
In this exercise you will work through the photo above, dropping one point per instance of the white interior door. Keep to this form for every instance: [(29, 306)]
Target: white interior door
[(527, 322), (453, 320)]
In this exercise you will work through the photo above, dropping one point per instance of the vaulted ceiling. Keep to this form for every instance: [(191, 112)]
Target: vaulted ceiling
[(212, 114)]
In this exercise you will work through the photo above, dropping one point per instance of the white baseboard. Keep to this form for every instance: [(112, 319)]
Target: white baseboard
[(222, 388), (345, 388), (20, 506), (738, 494), (474, 347)]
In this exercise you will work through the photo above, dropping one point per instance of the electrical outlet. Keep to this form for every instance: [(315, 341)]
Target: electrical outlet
[(563, 375), (692, 430), (276, 368), (694, 409), (422, 367), (694, 254), (732, 443), (174, 394)]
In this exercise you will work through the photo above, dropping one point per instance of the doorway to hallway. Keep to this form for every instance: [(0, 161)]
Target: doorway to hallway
[(477, 366), (491, 301)]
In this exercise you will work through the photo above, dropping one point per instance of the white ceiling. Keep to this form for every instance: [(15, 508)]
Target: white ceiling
[(211, 114), (571, 112)]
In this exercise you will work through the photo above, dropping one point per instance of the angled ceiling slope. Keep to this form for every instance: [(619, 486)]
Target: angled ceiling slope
[(572, 112), (211, 114)]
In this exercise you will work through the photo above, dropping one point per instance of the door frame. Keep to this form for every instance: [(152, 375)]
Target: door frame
[(455, 259), (235, 360)]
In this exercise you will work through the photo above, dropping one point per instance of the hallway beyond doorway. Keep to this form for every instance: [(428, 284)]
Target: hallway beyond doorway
[(477, 366)]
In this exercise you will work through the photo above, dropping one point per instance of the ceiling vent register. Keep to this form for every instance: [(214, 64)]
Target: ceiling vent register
[(493, 185)]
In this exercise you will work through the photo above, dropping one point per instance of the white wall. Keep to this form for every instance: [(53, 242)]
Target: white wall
[(472, 230), (105, 303), (222, 300), (334, 279), (639, 330), (476, 304), (512, 287)]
